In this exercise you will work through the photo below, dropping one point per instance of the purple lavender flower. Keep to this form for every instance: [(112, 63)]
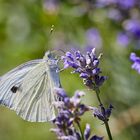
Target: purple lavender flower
[(125, 4), (102, 113), (86, 66), (103, 3), (133, 27), (123, 39), (93, 38), (114, 14), (136, 62), (87, 134), (126, 13), (70, 111), (51, 6)]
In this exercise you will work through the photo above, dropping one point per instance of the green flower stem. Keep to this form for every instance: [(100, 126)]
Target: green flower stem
[(108, 130), (98, 97), (82, 136), (106, 121)]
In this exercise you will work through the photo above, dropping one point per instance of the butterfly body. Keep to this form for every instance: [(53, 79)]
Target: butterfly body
[(29, 89)]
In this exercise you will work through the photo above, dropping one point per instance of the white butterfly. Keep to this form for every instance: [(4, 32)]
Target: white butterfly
[(29, 89)]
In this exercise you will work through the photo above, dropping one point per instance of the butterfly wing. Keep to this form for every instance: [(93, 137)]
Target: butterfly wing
[(12, 80), (34, 101), (28, 90)]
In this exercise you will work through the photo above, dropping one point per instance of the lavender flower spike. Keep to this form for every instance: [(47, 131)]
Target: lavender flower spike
[(136, 62), (69, 115), (102, 113), (87, 131), (87, 66), (87, 134)]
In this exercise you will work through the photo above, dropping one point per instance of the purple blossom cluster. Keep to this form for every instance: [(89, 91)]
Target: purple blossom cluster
[(131, 32), (86, 66), (126, 14), (70, 111), (136, 62), (102, 113), (132, 26), (125, 4)]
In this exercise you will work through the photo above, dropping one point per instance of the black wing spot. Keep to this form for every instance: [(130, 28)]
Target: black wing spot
[(14, 89)]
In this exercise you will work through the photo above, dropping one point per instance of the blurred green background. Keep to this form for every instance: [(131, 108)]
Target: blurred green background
[(24, 35)]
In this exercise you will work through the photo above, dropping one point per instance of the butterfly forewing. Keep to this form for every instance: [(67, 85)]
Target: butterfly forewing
[(29, 90)]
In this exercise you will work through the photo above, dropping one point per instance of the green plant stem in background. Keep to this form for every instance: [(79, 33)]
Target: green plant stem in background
[(106, 121)]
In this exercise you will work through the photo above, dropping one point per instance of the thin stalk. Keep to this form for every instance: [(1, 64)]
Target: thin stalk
[(98, 97), (108, 130), (79, 126), (106, 122)]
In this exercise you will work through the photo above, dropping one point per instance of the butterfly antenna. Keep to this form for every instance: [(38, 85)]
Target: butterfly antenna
[(51, 31), (49, 36)]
